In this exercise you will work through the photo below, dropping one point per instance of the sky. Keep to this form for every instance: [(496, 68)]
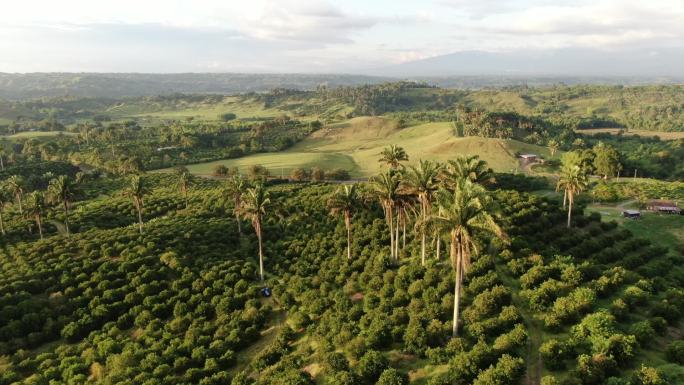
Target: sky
[(316, 36)]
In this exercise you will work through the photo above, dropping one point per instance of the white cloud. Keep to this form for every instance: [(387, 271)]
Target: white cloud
[(312, 35)]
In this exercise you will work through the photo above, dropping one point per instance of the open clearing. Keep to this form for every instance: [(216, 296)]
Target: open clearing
[(37, 134), (668, 230), (355, 146), (243, 109), (661, 134)]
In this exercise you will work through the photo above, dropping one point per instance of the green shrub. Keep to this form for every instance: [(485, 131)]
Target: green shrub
[(675, 352)]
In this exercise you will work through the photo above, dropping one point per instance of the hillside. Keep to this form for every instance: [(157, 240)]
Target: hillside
[(355, 145)]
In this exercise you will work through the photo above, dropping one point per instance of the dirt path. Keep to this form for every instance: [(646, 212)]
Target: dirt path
[(533, 360), (61, 229)]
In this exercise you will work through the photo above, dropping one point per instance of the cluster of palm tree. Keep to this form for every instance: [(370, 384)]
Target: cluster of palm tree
[(447, 201), (251, 203), (61, 192)]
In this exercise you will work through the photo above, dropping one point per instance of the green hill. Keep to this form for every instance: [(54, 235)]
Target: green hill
[(355, 145)]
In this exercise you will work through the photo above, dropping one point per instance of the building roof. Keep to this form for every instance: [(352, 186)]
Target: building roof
[(528, 155), (661, 202), (632, 212)]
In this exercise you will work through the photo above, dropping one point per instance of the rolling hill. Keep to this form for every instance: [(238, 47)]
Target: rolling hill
[(354, 145)]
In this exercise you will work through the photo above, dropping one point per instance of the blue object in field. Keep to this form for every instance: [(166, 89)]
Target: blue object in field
[(266, 292)]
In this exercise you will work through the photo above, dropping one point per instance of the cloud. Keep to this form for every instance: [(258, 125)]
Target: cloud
[(318, 23), (313, 35), (599, 23)]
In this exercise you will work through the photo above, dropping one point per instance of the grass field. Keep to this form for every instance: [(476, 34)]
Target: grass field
[(667, 230), (243, 110), (661, 134), (37, 134), (355, 146)]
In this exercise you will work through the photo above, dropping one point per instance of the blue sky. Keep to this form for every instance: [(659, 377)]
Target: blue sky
[(312, 36)]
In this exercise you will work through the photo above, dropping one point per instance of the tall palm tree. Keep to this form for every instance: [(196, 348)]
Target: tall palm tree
[(393, 156), (15, 184), (2, 159), (234, 191), (62, 190), (464, 216), (553, 146), (573, 180), (470, 167), (385, 188), (136, 190), (5, 199), (422, 182), (36, 205), (254, 208), (405, 206), (345, 201), (183, 182)]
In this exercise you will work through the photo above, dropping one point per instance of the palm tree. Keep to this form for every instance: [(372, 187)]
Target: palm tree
[(573, 180), (405, 205), (183, 183), (36, 205), (136, 191), (15, 184), (62, 190), (553, 146), (470, 167), (237, 185), (5, 199), (393, 156), (345, 201), (385, 187), (422, 182), (254, 208), (2, 159), (464, 216)]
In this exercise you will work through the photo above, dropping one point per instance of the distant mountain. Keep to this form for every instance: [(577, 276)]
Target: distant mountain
[(652, 65)]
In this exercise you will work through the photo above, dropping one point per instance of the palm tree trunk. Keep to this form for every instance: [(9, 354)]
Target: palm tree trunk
[(140, 220), (391, 231), (438, 246), (2, 163), (237, 219), (457, 286), (349, 241), (570, 209), (403, 236), (66, 217), (422, 235), (40, 226), (261, 256), (565, 198), (2, 224), (396, 240), (422, 249), (21, 206)]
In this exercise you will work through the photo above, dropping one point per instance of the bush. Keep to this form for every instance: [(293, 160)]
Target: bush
[(507, 371), (392, 377), (643, 331), (553, 353), (675, 352), (336, 362), (371, 366), (648, 376)]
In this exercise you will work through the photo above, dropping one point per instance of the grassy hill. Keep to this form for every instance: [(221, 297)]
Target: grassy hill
[(355, 145)]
